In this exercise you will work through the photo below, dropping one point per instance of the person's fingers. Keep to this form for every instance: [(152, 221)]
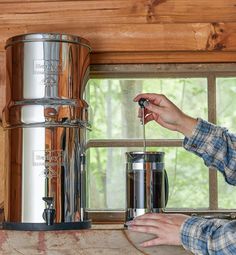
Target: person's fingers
[(147, 222), (140, 112), (154, 108), (159, 120), (151, 216), (151, 112), (152, 242), (144, 229), (144, 95), (149, 96), (149, 118), (168, 218)]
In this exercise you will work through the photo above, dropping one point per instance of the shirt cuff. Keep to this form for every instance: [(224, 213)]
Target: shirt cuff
[(201, 133), (208, 236), (189, 234)]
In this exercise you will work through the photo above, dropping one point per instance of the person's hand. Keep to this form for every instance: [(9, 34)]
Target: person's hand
[(166, 227), (164, 112)]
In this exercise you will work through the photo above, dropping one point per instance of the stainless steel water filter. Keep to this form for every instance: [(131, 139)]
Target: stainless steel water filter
[(147, 183), (45, 118)]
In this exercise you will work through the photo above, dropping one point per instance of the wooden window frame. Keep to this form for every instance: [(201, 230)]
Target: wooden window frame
[(210, 72)]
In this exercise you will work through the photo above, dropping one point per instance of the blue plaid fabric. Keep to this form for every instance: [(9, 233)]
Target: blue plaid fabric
[(209, 237), (217, 147)]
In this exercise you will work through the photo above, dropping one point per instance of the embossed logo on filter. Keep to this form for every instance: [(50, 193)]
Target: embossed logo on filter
[(52, 66)]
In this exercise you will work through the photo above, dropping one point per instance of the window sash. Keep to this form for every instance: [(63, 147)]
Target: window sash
[(118, 217)]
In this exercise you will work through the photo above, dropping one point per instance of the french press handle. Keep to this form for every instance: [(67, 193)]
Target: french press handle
[(166, 187)]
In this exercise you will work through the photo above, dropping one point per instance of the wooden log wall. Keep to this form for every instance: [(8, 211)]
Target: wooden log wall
[(127, 31)]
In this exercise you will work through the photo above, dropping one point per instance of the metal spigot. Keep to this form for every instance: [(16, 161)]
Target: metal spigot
[(49, 212)]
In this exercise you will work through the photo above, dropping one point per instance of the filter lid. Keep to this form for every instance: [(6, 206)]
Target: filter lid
[(47, 37)]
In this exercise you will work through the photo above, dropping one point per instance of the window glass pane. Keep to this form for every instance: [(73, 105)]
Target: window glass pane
[(113, 113), (106, 178), (226, 117), (226, 194), (226, 103), (106, 169), (189, 179)]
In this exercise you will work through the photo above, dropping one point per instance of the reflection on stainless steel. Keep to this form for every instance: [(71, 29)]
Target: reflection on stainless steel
[(42, 66), (147, 183), (46, 121), (135, 212), (38, 115)]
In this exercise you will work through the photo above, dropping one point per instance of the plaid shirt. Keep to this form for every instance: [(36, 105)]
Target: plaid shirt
[(217, 147)]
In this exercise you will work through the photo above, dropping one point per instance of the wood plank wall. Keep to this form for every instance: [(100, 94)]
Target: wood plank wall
[(127, 31)]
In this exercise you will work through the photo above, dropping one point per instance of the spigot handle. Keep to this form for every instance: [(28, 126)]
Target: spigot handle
[(49, 216), (48, 200), (49, 213)]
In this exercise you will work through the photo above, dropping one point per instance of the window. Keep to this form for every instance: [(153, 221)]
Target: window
[(207, 91)]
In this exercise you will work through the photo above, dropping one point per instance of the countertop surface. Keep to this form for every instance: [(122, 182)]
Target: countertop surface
[(101, 239)]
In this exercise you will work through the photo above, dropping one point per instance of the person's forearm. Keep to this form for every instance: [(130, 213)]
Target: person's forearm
[(216, 146), (186, 125)]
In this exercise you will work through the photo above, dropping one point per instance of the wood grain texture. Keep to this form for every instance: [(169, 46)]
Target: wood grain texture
[(140, 37), (84, 242), (121, 26), (127, 31), (121, 11), (163, 57)]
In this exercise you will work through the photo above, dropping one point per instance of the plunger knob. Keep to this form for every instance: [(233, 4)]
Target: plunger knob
[(142, 102)]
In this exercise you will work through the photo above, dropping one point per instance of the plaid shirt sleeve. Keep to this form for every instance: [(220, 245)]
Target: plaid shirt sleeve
[(217, 147), (209, 237)]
